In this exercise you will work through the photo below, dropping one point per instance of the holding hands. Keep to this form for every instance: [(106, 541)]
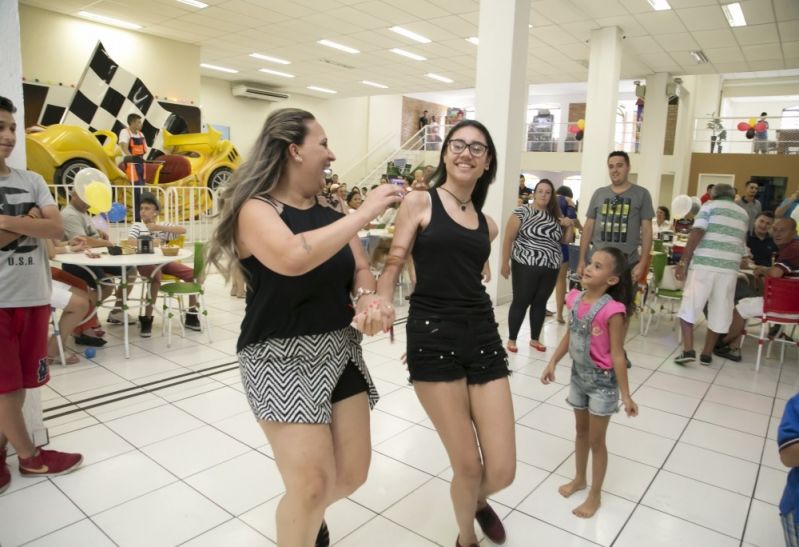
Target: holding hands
[(372, 314)]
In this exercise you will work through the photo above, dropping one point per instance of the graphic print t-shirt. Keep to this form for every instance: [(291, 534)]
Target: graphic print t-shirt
[(618, 218), (24, 265)]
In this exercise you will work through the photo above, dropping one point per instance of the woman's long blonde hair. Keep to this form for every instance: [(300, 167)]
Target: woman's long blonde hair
[(255, 178)]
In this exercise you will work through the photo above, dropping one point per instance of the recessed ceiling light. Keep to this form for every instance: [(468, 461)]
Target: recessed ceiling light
[(321, 89), (474, 40), (439, 78), (194, 3), (219, 68), (408, 54), (336, 45), (270, 59), (700, 57), (529, 26), (374, 84), (109, 20), (659, 5), (409, 34), (276, 72), (734, 14)]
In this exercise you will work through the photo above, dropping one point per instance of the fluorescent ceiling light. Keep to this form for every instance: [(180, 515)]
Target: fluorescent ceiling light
[(439, 78), (276, 72), (734, 14), (700, 57), (374, 84), (659, 5), (194, 3), (407, 54), (474, 40), (219, 68), (109, 20), (270, 59), (336, 45), (412, 35), (322, 89)]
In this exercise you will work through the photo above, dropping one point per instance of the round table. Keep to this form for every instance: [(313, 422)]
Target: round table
[(124, 262)]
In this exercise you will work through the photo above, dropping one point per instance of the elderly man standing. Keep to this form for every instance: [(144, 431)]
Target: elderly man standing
[(714, 251)]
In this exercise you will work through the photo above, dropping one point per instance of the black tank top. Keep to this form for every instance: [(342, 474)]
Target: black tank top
[(280, 306), (449, 262)]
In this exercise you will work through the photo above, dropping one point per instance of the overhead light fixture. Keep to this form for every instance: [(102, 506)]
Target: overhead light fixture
[(270, 59), (336, 45), (321, 89), (529, 25), (219, 68), (194, 3), (439, 78), (659, 5), (109, 20), (374, 84), (473, 40), (408, 54), (700, 57), (276, 72), (734, 14), (409, 34)]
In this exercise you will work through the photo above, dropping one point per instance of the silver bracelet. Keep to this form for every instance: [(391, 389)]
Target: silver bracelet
[(361, 292)]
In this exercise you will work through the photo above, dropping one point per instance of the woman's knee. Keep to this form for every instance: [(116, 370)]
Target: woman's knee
[(501, 476), (468, 469), (315, 488), (77, 305), (350, 479)]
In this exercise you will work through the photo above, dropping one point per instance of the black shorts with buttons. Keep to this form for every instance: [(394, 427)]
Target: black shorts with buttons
[(443, 349)]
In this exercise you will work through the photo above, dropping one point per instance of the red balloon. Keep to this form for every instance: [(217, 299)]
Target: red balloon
[(573, 129), (760, 127), (743, 126)]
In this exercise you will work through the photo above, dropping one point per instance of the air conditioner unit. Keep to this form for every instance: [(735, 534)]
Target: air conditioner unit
[(250, 91)]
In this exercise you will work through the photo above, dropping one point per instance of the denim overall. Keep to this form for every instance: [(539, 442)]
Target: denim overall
[(592, 387)]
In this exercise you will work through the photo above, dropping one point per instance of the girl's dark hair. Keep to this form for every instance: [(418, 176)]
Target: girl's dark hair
[(351, 194), (481, 188), (665, 211), (623, 290), (553, 208)]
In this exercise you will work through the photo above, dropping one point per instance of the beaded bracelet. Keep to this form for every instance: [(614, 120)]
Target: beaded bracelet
[(361, 292)]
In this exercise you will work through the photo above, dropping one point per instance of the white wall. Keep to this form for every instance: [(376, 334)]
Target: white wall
[(11, 74), (56, 48)]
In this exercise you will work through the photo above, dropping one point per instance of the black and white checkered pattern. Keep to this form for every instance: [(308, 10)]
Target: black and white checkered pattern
[(55, 104), (107, 94)]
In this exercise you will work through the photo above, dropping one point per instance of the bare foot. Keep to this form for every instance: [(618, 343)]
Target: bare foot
[(589, 506), (570, 488)]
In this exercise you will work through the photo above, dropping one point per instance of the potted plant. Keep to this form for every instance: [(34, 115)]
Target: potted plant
[(719, 134)]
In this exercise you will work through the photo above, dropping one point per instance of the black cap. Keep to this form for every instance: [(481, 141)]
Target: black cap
[(147, 197)]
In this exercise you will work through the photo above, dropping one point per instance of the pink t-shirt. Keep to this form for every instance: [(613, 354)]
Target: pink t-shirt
[(600, 336)]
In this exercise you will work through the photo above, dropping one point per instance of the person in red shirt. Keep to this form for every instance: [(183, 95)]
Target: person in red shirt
[(706, 196)]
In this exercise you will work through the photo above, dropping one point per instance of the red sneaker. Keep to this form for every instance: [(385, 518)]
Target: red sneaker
[(49, 462), (491, 524), (5, 474)]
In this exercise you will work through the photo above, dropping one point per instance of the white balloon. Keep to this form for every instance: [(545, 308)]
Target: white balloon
[(681, 206), (87, 176)]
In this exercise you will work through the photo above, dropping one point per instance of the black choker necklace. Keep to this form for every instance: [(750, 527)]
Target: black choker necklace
[(463, 204)]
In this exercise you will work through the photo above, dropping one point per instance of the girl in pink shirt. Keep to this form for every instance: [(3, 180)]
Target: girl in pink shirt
[(595, 342)]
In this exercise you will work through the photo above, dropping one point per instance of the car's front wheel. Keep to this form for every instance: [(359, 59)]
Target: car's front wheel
[(219, 177), (65, 175)]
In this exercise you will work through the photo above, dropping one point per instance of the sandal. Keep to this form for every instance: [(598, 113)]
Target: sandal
[(69, 359), (511, 347), (561, 320), (537, 346)]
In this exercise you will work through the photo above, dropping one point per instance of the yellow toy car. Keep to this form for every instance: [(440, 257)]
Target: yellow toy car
[(212, 158)]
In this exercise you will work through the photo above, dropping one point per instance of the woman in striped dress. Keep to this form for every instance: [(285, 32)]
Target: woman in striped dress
[(531, 253)]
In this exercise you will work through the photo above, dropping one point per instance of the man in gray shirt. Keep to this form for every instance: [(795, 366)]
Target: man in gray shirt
[(751, 205), (619, 215)]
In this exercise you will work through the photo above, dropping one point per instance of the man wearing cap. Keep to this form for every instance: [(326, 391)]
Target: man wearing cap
[(164, 232), (77, 222)]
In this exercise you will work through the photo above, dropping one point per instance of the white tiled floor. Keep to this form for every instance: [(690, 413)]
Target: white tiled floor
[(173, 455)]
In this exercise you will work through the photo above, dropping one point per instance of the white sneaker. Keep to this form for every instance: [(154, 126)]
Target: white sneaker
[(115, 317)]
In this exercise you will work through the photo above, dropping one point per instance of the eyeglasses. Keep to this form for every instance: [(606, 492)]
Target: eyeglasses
[(476, 149)]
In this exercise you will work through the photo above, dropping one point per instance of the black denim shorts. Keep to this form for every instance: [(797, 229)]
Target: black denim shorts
[(443, 349)]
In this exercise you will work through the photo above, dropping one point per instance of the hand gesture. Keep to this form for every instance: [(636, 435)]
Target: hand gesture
[(35, 212), (566, 222), (630, 408), (548, 376), (382, 197), (368, 315), (78, 241), (504, 271)]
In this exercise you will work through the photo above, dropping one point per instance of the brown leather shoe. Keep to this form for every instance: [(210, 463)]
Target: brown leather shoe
[(491, 524), (458, 543)]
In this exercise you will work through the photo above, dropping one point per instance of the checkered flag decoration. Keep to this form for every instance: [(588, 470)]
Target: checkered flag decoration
[(107, 93), (55, 104)]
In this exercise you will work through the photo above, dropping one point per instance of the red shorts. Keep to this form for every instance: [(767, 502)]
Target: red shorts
[(23, 339)]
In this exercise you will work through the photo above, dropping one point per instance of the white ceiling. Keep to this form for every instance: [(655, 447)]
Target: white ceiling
[(229, 30)]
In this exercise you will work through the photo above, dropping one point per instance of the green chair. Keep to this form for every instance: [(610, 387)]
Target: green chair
[(176, 291), (659, 294), (657, 245)]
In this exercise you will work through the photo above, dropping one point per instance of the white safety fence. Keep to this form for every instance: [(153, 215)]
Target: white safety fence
[(191, 207)]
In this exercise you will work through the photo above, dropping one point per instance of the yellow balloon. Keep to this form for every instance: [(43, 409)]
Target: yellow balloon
[(98, 197), (581, 124), (752, 122)]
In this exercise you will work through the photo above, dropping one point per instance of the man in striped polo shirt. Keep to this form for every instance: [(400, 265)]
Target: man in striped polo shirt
[(714, 250), (786, 265)]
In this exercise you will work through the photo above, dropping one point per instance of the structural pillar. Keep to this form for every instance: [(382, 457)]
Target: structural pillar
[(693, 135), (653, 134), (604, 69), (502, 106)]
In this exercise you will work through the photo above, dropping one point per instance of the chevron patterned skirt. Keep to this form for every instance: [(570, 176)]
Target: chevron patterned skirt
[(292, 379)]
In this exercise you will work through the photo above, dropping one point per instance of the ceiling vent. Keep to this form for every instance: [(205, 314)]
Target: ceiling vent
[(254, 91)]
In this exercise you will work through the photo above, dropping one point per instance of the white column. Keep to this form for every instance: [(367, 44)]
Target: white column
[(653, 133), (502, 106), (604, 69), (684, 137)]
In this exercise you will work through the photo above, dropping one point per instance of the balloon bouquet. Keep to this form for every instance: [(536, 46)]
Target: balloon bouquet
[(751, 127), (94, 188), (578, 129)]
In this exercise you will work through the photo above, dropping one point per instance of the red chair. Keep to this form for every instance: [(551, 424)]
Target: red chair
[(780, 307)]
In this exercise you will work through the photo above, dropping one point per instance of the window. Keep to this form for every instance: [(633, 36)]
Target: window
[(790, 117)]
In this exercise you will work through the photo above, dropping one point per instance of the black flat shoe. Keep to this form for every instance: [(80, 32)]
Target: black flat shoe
[(85, 340), (323, 537)]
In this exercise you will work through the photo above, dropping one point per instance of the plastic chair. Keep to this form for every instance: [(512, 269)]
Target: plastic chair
[(780, 307), (657, 245), (176, 291), (659, 293), (57, 334)]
